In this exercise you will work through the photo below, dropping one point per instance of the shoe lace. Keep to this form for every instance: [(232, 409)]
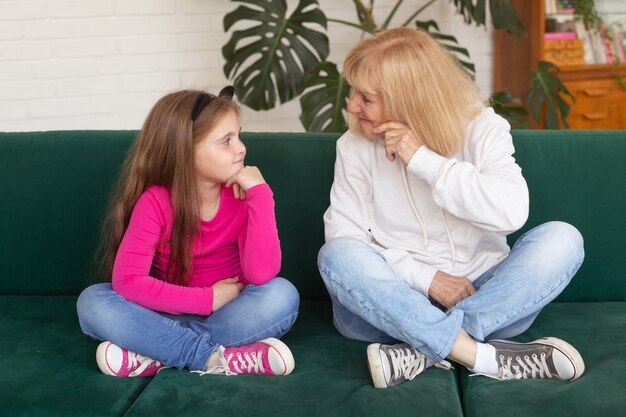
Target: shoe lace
[(524, 366), (407, 363), (139, 362), (248, 362)]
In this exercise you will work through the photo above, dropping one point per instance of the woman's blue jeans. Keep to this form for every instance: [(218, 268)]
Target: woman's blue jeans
[(371, 303), (184, 340)]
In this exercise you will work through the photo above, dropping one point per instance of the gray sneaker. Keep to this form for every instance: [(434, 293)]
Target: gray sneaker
[(546, 358), (391, 365)]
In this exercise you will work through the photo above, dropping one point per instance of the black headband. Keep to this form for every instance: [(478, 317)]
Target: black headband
[(204, 99)]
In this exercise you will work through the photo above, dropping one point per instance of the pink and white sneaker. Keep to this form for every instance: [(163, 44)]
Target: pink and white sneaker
[(116, 361), (266, 357)]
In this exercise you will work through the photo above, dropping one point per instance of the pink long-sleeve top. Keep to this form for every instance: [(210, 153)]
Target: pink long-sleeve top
[(240, 241)]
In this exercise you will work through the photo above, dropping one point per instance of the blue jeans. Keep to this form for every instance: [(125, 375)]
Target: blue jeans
[(371, 303), (184, 340)]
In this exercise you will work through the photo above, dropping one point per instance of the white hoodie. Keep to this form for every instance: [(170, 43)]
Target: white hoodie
[(439, 213)]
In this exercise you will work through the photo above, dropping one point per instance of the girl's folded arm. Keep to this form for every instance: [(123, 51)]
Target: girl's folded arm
[(259, 245)]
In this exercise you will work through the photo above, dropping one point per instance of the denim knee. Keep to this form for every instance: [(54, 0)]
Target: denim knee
[(283, 297), (337, 251), (91, 306), (278, 302), (568, 233), (562, 241), (338, 246)]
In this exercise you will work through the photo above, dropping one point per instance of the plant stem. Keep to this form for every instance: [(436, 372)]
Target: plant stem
[(420, 10), (339, 105), (345, 22), (266, 68), (392, 13), (367, 12)]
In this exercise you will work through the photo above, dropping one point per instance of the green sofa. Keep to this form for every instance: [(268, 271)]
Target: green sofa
[(53, 187)]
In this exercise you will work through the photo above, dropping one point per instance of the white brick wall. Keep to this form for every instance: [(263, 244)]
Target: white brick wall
[(101, 64)]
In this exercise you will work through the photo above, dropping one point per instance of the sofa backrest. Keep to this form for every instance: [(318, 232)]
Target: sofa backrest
[(580, 177), (53, 188)]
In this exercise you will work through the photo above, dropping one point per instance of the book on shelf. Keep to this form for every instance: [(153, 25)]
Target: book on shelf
[(566, 7), (559, 36), (560, 6), (617, 44), (582, 33), (597, 46), (609, 52), (568, 42)]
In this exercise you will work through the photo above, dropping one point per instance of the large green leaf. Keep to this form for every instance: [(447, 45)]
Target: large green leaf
[(449, 42), (503, 14), (546, 92), (271, 59), (326, 98), (510, 107)]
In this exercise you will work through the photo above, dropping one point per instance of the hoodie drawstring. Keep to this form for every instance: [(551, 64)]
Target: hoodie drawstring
[(412, 204), (421, 223), (450, 240)]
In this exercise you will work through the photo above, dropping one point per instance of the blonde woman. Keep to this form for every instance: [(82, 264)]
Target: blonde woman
[(425, 191)]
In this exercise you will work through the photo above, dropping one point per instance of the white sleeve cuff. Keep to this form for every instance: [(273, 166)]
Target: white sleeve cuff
[(427, 164)]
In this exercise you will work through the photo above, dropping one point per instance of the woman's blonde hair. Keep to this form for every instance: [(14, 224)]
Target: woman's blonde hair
[(163, 155), (419, 82)]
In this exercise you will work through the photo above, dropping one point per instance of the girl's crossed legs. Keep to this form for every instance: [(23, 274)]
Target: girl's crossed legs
[(259, 312)]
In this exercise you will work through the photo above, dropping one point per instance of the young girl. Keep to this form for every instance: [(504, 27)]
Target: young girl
[(192, 251)]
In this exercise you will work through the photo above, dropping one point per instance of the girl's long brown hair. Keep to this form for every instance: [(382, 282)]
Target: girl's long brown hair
[(163, 154)]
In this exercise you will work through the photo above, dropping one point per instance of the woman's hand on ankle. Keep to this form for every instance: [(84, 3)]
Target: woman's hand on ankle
[(224, 291)]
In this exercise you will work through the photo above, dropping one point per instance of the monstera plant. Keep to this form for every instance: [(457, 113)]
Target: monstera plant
[(279, 55), (544, 83), (280, 50)]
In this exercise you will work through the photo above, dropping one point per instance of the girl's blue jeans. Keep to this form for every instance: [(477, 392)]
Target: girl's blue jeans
[(183, 340), (371, 303)]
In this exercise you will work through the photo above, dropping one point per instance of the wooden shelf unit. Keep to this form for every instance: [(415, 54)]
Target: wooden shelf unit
[(600, 98)]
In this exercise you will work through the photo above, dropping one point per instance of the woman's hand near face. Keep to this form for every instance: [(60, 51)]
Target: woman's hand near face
[(449, 290), (248, 177), (399, 140)]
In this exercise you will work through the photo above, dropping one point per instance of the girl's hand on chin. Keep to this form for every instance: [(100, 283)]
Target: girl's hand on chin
[(248, 177)]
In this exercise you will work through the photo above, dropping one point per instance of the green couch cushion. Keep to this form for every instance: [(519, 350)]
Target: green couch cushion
[(597, 331), (330, 379), (49, 369)]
